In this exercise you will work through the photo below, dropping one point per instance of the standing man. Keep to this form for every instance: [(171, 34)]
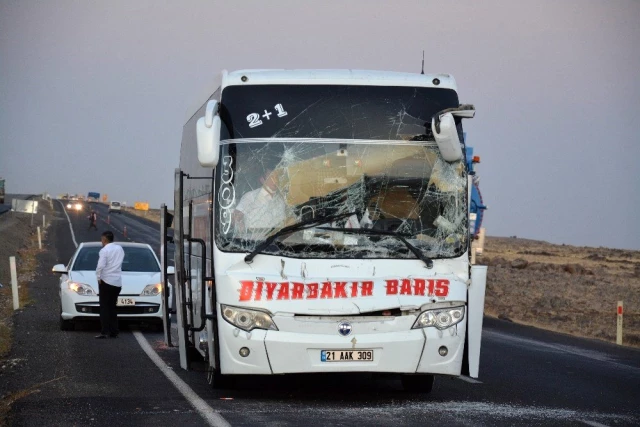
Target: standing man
[(109, 273), (93, 218)]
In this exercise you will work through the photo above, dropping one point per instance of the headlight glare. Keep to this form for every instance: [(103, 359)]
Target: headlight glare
[(82, 289), (246, 319), (152, 290), (439, 318)]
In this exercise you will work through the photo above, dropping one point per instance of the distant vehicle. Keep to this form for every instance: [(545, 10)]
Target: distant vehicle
[(141, 293), (115, 207), (75, 205), (1, 191), (93, 196)]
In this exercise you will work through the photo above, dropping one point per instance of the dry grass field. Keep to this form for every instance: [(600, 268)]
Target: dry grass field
[(18, 238), (563, 288)]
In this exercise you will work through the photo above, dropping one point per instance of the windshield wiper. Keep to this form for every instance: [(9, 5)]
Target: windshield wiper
[(427, 261), (310, 223)]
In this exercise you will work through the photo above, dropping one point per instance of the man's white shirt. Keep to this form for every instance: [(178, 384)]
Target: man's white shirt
[(261, 209), (109, 267)]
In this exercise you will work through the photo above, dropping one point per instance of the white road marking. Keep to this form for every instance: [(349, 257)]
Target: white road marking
[(593, 423), (73, 236), (212, 417), (469, 379)]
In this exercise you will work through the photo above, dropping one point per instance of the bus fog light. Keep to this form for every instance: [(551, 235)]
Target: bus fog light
[(244, 352), (443, 351)]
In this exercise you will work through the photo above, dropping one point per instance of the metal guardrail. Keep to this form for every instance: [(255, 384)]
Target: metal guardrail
[(6, 207)]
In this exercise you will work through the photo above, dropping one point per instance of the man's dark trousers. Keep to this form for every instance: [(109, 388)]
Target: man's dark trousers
[(108, 297)]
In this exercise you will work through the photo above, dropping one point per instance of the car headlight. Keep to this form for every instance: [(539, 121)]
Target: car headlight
[(151, 290), (82, 289), (440, 318), (68, 205), (246, 319), (78, 207)]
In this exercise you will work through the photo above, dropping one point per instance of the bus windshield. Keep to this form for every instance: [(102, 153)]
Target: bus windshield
[(335, 188)]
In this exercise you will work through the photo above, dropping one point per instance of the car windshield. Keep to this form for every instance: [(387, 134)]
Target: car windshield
[(135, 259)]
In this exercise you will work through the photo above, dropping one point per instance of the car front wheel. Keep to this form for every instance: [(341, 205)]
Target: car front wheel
[(67, 325)]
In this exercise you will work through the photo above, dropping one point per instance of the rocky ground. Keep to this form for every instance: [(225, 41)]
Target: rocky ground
[(563, 288)]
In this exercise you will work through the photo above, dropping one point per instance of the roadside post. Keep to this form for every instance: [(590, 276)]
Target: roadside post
[(43, 222), (619, 331), (39, 239), (14, 282), (165, 222)]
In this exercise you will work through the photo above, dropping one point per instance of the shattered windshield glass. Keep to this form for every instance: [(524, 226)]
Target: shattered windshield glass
[(325, 161)]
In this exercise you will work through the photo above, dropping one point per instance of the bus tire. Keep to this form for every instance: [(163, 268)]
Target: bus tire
[(218, 381), (417, 383)]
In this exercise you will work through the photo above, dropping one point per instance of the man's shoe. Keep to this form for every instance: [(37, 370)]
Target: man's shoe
[(100, 337)]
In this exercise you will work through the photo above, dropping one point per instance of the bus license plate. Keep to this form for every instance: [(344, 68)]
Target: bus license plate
[(346, 355), (126, 301)]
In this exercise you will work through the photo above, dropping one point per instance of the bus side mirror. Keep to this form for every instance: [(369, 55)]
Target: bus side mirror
[(168, 219), (446, 135), (208, 135), (443, 126)]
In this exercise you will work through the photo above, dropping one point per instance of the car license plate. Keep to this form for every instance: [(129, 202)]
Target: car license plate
[(126, 301), (346, 355)]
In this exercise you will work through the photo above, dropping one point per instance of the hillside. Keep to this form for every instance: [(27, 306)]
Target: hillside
[(563, 288)]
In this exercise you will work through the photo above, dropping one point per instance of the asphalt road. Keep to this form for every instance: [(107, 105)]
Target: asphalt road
[(528, 376)]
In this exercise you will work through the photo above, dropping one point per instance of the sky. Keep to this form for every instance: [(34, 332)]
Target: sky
[(93, 94)]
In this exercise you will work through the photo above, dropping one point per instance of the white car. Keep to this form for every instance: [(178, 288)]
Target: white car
[(115, 207), (141, 295)]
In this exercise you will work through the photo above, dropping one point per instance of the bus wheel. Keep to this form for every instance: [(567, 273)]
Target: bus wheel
[(218, 381), (418, 383)]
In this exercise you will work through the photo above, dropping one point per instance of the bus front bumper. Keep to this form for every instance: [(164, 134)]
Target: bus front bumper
[(386, 346)]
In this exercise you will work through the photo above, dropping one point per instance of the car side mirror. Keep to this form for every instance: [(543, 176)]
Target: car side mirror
[(59, 269), (208, 135), (171, 270)]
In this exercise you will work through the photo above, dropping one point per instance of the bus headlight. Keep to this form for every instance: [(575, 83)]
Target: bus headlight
[(439, 318), (246, 319)]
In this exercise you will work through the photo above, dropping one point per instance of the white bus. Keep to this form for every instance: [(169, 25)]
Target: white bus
[(322, 225)]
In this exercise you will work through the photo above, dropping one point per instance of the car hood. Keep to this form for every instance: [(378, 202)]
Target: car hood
[(133, 282)]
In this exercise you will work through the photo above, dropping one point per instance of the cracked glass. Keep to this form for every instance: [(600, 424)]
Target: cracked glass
[(337, 172)]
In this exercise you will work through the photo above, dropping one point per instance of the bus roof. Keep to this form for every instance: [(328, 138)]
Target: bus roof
[(320, 77)]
